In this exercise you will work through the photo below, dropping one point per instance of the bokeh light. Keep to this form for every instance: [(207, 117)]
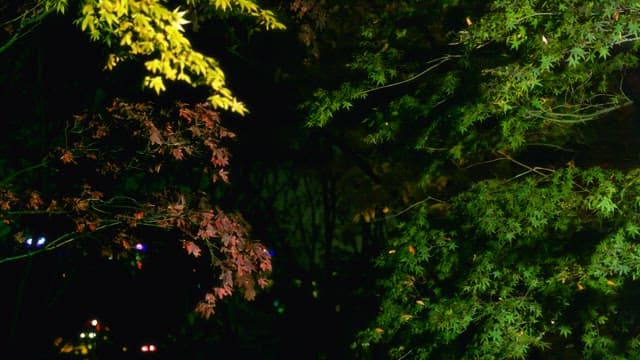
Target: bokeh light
[(38, 242)]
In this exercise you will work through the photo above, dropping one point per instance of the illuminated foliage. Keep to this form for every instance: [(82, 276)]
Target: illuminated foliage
[(519, 238), (150, 31), (136, 165), (138, 162)]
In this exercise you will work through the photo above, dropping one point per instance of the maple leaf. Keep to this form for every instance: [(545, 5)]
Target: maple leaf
[(35, 201), (263, 283), (250, 292), (53, 206), (177, 208), (154, 134), (67, 157), (192, 248), (222, 174), (227, 279), (177, 153), (80, 204), (100, 132), (205, 309), (186, 113)]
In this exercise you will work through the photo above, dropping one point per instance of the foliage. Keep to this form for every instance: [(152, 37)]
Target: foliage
[(148, 30), (128, 159), (115, 173), (521, 240)]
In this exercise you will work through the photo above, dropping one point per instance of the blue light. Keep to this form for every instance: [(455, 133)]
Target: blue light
[(141, 247), (32, 242)]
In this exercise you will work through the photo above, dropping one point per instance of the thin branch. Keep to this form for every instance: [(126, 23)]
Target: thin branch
[(577, 117), (532, 15), (553, 146), (485, 162), (428, 198), (57, 243), (6, 180), (405, 355), (536, 169), (27, 24), (436, 62)]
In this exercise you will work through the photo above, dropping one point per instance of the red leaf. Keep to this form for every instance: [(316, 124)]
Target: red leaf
[(177, 153), (192, 248), (67, 157), (154, 134)]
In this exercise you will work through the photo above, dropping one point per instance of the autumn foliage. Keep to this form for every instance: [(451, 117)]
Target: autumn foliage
[(137, 167)]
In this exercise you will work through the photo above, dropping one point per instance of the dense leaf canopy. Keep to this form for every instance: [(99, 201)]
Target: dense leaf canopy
[(437, 179)]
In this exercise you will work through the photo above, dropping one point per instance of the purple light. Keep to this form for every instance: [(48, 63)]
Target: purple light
[(39, 242), (141, 247)]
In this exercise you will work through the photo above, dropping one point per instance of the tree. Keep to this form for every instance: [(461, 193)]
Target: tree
[(517, 235), (114, 173)]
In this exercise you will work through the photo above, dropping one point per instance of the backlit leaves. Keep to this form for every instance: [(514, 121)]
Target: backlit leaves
[(149, 31)]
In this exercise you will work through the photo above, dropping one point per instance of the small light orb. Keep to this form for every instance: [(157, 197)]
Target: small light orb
[(152, 348), (94, 322), (41, 241), (141, 247), (29, 241), (144, 348)]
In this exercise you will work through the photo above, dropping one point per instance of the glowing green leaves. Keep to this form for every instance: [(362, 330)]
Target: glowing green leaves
[(148, 30)]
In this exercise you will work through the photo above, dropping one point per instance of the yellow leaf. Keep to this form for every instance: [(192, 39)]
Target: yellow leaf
[(406, 317), (184, 77), (238, 107), (87, 22), (155, 83), (178, 19), (122, 7), (112, 61), (217, 101), (223, 4), (153, 65), (379, 330), (126, 39)]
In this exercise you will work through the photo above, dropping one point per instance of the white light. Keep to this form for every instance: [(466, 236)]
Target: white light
[(94, 322), (82, 335), (152, 348), (41, 241), (144, 348)]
